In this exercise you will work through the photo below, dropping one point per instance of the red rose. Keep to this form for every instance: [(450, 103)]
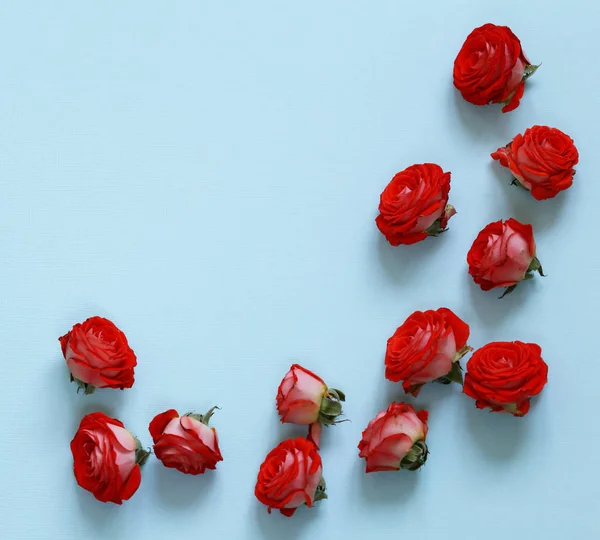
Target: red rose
[(303, 398), (502, 255), (185, 443), (290, 476), (491, 67), (504, 375), (395, 439), (414, 205), (427, 347), (98, 355), (541, 160), (107, 458)]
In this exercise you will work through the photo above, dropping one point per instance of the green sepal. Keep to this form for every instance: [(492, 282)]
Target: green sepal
[(87, 388), (508, 290), (515, 182), (454, 375), (204, 418), (337, 394), (141, 454), (321, 488), (536, 266), (331, 407), (416, 457), (529, 71), (435, 229)]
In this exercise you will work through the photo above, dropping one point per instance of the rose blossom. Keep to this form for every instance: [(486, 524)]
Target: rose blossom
[(98, 355), (427, 347), (504, 375), (185, 443), (541, 160), (395, 439), (502, 255), (491, 67), (414, 205), (107, 458), (290, 476), (304, 398)]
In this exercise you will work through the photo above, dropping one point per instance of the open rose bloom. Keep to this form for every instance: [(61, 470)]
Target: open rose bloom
[(291, 476), (414, 205), (107, 458), (427, 347), (491, 67), (303, 398), (98, 355), (503, 376), (503, 255), (185, 443), (541, 161), (395, 439)]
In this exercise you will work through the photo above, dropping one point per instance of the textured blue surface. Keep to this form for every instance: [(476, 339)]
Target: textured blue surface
[(206, 174)]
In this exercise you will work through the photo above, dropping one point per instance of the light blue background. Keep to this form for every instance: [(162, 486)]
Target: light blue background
[(206, 174)]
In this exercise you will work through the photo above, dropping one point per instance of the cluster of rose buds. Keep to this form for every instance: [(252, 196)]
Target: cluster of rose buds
[(292, 473), (428, 346), (107, 457)]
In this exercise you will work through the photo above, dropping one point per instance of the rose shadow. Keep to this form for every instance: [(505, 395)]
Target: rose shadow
[(386, 487), (183, 491), (524, 208), (486, 122), (103, 517), (491, 309), (275, 526), (402, 262), (500, 436)]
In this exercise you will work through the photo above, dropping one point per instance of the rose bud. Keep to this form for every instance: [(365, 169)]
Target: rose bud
[(504, 375), (414, 205), (290, 476), (502, 255), (541, 160), (491, 67), (185, 443), (107, 458), (303, 398), (427, 347), (395, 439), (98, 355)]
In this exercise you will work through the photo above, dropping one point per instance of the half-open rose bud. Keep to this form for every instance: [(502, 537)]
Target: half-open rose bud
[(185, 443), (304, 398), (502, 255), (427, 347), (107, 458), (395, 439)]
